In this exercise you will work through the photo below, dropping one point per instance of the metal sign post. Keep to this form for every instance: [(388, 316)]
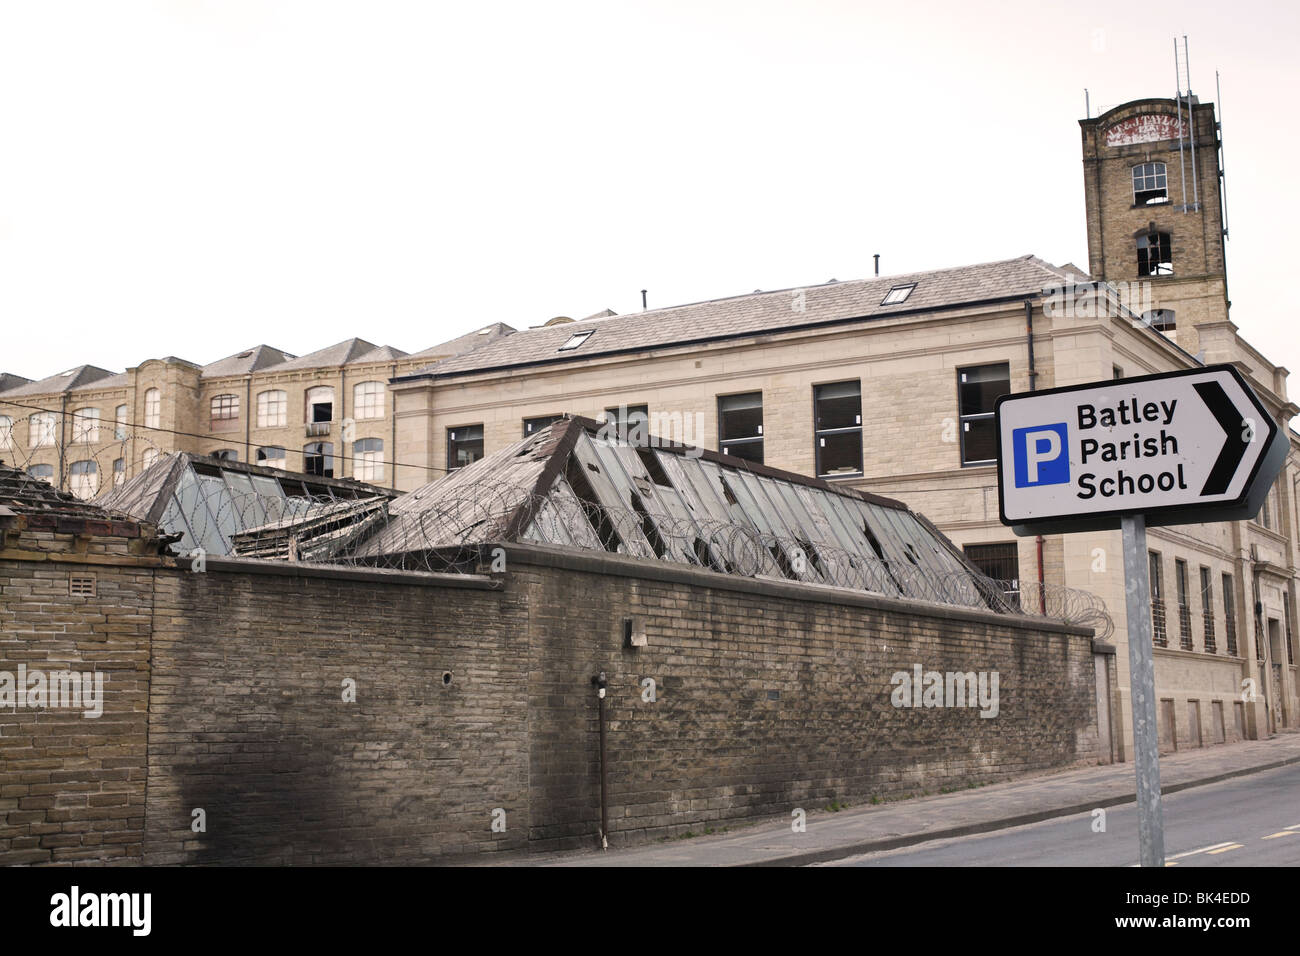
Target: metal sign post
[(1142, 684)]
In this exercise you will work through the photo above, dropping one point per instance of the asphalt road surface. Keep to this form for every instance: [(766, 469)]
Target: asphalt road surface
[(1249, 821)]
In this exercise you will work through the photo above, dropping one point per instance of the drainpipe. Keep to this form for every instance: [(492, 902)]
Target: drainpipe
[(343, 417), (392, 448), (600, 683), (1033, 386), (248, 418), (63, 436)]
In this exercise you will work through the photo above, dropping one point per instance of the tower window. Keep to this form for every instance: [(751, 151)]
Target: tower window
[(1162, 320), (1150, 184), (1155, 254)]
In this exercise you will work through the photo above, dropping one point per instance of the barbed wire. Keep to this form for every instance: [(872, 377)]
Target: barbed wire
[(455, 534)]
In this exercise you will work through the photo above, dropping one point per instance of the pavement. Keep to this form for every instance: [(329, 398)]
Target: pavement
[(866, 829)]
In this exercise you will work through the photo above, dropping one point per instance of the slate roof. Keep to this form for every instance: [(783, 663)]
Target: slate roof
[(469, 341), (249, 360), (81, 376), (23, 494), (8, 380), (760, 312)]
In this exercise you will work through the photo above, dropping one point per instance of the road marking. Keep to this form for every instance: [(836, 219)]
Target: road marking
[(1205, 849), (1281, 833), (1225, 849)]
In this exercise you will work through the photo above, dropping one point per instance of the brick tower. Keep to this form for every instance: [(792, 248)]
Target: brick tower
[(1153, 186)]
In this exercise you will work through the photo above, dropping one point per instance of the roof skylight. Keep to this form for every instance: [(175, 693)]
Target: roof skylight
[(899, 293), (575, 340)]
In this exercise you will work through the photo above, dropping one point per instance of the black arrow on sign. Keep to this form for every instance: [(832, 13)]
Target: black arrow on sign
[(1229, 418)]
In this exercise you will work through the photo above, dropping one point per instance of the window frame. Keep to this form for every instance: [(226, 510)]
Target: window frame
[(78, 478), (373, 403), (223, 412), (6, 433), (152, 408), (576, 340), (42, 430), (1155, 177), (265, 462), (748, 441), (272, 408), (454, 443), (545, 420), (120, 414), (899, 294), (965, 418), (361, 456), (821, 434), (325, 454), (1164, 258)]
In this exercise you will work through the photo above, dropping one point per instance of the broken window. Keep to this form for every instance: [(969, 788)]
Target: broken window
[(998, 561), (978, 389), (837, 412), (41, 430), (226, 454), (1155, 254), (898, 294), (318, 459), (464, 446), (45, 472), (368, 400), (320, 404), (1150, 185), (368, 459), (272, 408), (119, 471), (225, 413), (1162, 320), (83, 479), (272, 456), (533, 425), (740, 426), (152, 408)]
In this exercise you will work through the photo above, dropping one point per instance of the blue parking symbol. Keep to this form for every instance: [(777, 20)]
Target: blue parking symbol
[(1041, 454)]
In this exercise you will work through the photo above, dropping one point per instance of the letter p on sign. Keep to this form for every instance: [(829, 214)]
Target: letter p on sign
[(1042, 455)]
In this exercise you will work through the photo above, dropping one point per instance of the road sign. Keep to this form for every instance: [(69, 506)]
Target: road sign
[(1176, 448)]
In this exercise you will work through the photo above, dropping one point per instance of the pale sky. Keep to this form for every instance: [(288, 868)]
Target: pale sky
[(194, 177)]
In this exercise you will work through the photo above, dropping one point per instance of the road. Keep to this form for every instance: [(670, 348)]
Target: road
[(1249, 821)]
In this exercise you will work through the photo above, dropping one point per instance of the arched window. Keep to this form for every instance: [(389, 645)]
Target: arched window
[(318, 459), (85, 426), (152, 408), (150, 456), (1162, 320), (1150, 184), (1155, 254), (320, 404), (368, 459), (119, 423), (225, 413), (119, 471), (6, 432), (45, 472), (368, 400), (226, 454), (272, 456), (84, 479), (272, 408), (41, 430)]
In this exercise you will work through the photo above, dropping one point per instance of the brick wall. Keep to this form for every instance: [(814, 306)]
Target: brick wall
[(769, 697), (72, 788)]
